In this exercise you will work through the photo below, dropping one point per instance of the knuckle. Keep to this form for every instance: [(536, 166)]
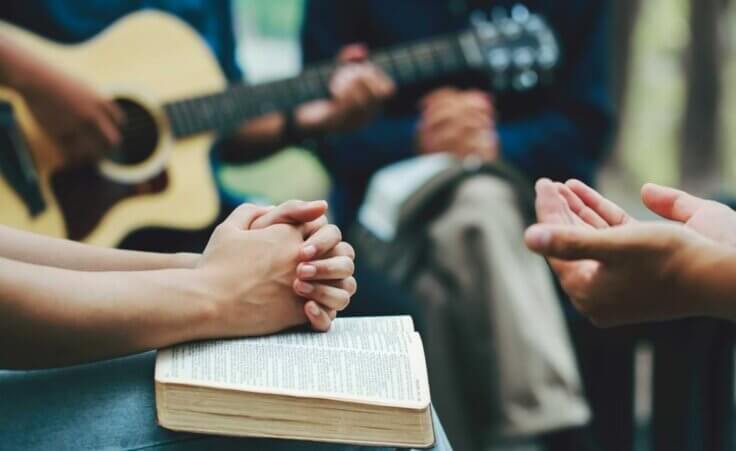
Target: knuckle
[(342, 299), (291, 204), (351, 285), (333, 231)]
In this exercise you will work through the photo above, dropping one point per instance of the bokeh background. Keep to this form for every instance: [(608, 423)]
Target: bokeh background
[(676, 89)]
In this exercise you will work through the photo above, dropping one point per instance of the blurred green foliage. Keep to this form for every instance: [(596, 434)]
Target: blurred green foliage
[(273, 18)]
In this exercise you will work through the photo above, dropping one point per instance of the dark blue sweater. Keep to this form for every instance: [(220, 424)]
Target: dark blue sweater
[(559, 131)]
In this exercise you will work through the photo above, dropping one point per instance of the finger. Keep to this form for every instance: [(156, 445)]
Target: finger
[(549, 202), (670, 203), (292, 212), (313, 226), (320, 320), (109, 131), (609, 211), (114, 112), (328, 296), (332, 268), (451, 115), (321, 242), (244, 216), (437, 95), (343, 249), (382, 85), (578, 207), (574, 243), (353, 53)]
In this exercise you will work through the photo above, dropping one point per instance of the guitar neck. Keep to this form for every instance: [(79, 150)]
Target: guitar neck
[(408, 64)]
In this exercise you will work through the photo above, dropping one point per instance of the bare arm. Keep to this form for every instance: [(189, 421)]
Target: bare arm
[(40, 250), (247, 282), (52, 317)]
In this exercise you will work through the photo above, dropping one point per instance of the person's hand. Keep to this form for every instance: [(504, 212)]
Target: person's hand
[(81, 122), (709, 218), (458, 122), (250, 275), (358, 88), (325, 271), (622, 275)]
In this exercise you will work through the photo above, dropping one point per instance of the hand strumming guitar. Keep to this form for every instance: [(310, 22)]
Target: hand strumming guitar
[(79, 120), (458, 122)]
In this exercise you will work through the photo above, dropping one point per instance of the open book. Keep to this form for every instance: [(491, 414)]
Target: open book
[(364, 382)]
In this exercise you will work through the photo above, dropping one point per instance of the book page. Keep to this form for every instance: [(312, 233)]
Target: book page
[(373, 324), (386, 369)]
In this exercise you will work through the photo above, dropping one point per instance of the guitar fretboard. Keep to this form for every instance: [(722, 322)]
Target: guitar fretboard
[(224, 111)]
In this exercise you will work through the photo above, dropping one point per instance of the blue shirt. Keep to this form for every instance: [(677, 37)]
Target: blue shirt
[(559, 131), (71, 21)]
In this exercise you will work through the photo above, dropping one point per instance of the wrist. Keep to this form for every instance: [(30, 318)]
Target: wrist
[(185, 260), (707, 280)]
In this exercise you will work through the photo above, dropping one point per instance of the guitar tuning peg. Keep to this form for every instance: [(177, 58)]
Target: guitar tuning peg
[(547, 56), (525, 80), (523, 58), (520, 13)]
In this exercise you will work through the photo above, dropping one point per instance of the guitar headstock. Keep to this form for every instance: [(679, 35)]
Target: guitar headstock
[(517, 49)]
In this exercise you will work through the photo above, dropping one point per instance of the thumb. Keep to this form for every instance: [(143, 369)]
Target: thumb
[(670, 203), (571, 242), (245, 215), (292, 212)]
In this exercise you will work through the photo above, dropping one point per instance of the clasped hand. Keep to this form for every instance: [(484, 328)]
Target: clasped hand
[(270, 268)]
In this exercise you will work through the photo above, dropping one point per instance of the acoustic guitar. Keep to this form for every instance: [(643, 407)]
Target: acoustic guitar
[(176, 100)]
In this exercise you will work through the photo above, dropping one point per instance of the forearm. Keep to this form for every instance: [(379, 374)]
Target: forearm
[(39, 250), (54, 317), (18, 68)]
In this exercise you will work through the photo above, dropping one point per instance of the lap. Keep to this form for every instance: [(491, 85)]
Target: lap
[(105, 405)]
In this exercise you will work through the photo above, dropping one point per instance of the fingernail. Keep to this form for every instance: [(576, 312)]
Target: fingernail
[(307, 271), (313, 309), (309, 251), (306, 288)]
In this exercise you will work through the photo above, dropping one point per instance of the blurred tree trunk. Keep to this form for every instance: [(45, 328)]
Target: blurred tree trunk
[(700, 153), (626, 13)]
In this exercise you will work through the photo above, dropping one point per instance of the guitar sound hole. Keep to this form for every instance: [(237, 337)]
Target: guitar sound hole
[(139, 132)]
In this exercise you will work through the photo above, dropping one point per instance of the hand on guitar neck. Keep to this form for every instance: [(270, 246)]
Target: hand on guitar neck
[(358, 89), (79, 120)]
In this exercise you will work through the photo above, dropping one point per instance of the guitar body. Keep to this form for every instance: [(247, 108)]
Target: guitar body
[(147, 58)]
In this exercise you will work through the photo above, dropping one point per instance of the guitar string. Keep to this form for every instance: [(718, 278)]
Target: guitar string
[(388, 62)]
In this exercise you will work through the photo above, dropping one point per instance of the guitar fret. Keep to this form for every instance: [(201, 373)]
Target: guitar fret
[(432, 58), (403, 61)]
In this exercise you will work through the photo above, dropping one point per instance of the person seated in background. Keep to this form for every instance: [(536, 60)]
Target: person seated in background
[(558, 131), (85, 123), (618, 270)]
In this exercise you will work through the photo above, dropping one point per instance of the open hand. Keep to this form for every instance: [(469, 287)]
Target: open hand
[(623, 275), (617, 270)]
